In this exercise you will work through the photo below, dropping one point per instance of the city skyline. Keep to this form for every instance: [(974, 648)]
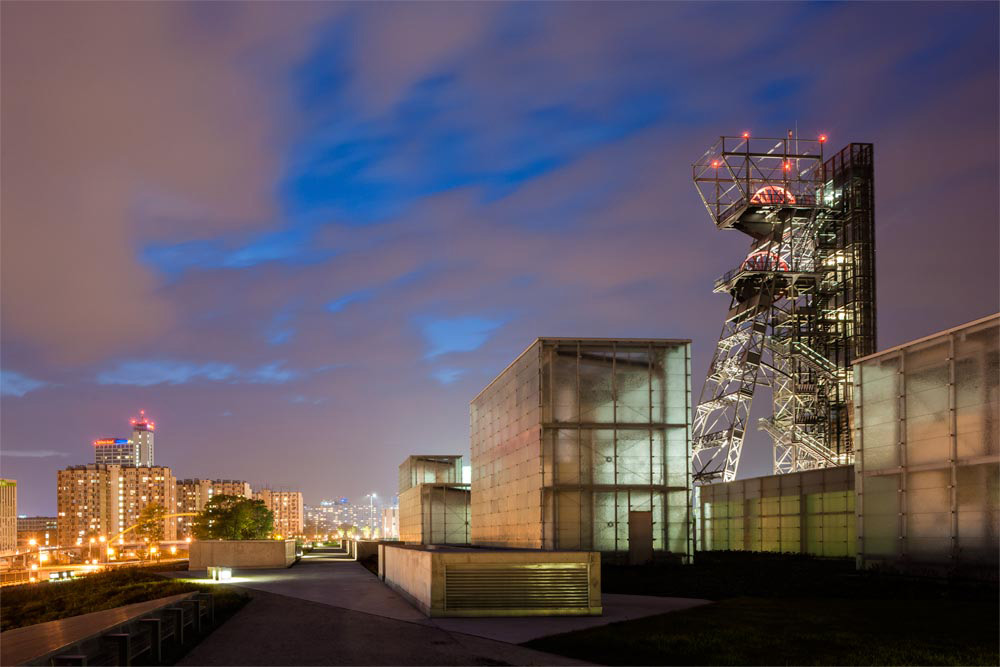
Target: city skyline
[(336, 246)]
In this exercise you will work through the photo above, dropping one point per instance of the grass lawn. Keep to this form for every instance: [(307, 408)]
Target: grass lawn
[(792, 610), (37, 603)]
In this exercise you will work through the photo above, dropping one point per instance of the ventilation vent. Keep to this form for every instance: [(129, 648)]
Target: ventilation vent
[(536, 586)]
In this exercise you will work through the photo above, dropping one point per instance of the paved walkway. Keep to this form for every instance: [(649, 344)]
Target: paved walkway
[(329, 610)]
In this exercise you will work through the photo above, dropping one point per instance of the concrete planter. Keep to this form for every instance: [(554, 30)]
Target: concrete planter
[(242, 554)]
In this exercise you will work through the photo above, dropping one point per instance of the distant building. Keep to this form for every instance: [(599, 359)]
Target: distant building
[(105, 500), (142, 486), (329, 515), (584, 444), (42, 529), (390, 523), (192, 496), (8, 514), (87, 502), (231, 487), (287, 509), (134, 451), (116, 452), (142, 436)]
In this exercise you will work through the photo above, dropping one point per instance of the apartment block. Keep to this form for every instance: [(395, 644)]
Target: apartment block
[(231, 487), (287, 509), (8, 514), (192, 496), (95, 500)]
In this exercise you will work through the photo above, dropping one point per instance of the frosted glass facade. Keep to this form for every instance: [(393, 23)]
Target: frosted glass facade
[(433, 501), (927, 430), (585, 444), (430, 469), (810, 512), (434, 514)]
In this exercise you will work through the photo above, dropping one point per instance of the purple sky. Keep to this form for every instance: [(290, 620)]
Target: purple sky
[(303, 237)]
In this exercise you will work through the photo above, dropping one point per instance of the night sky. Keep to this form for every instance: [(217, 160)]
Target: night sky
[(303, 237)]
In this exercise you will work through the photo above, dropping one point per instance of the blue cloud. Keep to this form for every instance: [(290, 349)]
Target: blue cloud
[(338, 305), (457, 334), (280, 331), (164, 371), (13, 383), (272, 373), (447, 375), (290, 244)]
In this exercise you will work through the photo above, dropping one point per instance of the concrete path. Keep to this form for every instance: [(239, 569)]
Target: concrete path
[(279, 630), (331, 610)]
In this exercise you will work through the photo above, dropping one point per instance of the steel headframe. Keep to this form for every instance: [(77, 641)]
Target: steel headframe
[(801, 302)]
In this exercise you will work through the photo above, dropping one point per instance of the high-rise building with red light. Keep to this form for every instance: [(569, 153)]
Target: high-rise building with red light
[(142, 436)]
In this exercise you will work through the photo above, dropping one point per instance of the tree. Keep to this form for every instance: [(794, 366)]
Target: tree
[(150, 523), (233, 518)]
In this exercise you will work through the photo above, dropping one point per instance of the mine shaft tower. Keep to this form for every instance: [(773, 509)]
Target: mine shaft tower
[(802, 302)]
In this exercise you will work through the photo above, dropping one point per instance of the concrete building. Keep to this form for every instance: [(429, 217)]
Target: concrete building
[(42, 529), (192, 496), (584, 444), (287, 509), (927, 439), (87, 502), (8, 515), (231, 487), (95, 500), (433, 501), (142, 486)]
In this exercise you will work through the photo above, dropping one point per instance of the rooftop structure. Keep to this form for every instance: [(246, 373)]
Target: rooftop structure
[(433, 501), (802, 300)]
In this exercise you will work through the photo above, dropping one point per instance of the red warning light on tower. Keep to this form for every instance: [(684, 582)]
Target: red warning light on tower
[(141, 423), (822, 138), (746, 135)]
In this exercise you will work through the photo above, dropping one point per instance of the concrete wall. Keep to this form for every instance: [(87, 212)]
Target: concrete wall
[(497, 582), (242, 554)]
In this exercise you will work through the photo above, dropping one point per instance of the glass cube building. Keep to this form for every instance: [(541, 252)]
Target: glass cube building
[(433, 501), (585, 444), (927, 437)]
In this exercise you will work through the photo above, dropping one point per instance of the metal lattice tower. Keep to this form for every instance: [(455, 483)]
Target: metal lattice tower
[(802, 302)]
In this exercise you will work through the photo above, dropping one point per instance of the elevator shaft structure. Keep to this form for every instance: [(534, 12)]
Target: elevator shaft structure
[(802, 301)]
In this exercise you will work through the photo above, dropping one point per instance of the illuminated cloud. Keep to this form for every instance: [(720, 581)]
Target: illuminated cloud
[(13, 383)]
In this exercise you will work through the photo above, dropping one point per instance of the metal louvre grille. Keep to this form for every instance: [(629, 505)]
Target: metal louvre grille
[(547, 586)]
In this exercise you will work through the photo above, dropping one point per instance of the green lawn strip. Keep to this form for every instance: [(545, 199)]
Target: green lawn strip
[(37, 603), (796, 631)]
